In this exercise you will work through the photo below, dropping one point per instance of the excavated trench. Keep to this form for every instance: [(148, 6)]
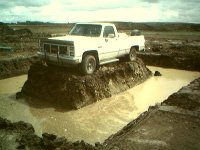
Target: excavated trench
[(93, 123), (57, 91), (177, 118)]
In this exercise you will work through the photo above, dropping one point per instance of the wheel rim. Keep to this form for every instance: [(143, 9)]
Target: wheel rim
[(132, 54), (91, 66)]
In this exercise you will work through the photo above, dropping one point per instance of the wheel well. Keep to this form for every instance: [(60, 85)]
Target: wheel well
[(136, 47), (94, 53)]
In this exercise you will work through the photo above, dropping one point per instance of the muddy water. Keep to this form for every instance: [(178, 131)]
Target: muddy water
[(97, 121)]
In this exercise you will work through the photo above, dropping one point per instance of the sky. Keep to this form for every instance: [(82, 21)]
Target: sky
[(63, 11)]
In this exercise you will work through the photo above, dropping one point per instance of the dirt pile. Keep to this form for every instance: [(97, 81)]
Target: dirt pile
[(66, 87), (178, 54), (174, 124), (14, 67), (185, 62), (6, 30), (21, 135)]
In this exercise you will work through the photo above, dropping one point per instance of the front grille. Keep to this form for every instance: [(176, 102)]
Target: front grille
[(47, 48), (64, 50), (54, 49), (57, 49)]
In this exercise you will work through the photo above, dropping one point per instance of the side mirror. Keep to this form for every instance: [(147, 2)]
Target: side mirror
[(111, 35)]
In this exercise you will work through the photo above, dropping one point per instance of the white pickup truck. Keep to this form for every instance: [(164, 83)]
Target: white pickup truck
[(90, 45)]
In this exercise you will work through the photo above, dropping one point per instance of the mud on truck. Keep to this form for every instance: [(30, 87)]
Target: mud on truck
[(90, 45)]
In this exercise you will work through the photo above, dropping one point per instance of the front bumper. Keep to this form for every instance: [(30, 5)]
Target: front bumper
[(58, 59)]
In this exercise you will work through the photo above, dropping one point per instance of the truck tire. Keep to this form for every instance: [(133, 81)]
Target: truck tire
[(132, 54), (88, 65), (135, 32)]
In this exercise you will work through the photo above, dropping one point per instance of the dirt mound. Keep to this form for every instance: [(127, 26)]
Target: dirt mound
[(178, 54), (65, 87), (5, 29), (23, 32), (14, 67), (184, 62)]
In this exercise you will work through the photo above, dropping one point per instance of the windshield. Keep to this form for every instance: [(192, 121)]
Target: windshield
[(86, 30)]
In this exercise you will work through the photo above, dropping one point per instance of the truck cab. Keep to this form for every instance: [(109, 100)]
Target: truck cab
[(90, 45)]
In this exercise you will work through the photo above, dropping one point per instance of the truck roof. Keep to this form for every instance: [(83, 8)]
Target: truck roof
[(97, 23)]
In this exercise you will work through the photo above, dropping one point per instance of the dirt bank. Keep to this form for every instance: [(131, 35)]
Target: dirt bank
[(171, 60), (66, 87), (21, 135), (14, 67), (172, 125), (178, 54)]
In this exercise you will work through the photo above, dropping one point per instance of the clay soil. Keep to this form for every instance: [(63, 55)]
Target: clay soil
[(173, 53), (69, 88), (172, 125)]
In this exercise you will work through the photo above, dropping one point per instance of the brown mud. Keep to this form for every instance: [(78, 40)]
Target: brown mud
[(177, 54), (174, 124), (17, 50), (21, 135), (170, 125), (14, 67), (66, 87)]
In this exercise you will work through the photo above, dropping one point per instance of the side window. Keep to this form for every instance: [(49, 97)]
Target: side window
[(108, 30)]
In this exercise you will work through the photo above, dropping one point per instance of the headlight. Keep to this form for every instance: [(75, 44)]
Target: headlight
[(71, 50)]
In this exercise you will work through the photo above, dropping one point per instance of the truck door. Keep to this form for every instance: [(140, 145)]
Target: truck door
[(110, 48)]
